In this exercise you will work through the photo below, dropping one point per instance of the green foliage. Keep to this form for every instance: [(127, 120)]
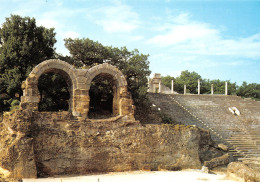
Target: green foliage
[(190, 79), (166, 119), (86, 51), (14, 104), (167, 80), (102, 90), (134, 65), (218, 87), (54, 93), (23, 45), (205, 86), (249, 90)]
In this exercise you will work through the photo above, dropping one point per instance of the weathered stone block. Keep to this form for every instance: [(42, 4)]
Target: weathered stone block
[(242, 172), (218, 161)]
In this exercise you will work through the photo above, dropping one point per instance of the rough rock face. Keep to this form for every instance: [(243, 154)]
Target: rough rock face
[(242, 172), (218, 161), (16, 147), (45, 144)]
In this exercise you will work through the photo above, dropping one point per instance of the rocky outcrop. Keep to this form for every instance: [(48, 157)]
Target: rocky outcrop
[(242, 172), (35, 144), (218, 161), (16, 146)]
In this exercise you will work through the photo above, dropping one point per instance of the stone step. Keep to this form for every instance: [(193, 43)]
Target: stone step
[(250, 162), (242, 142), (234, 151), (242, 138), (216, 121), (236, 141), (236, 154), (246, 134), (245, 138), (248, 152), (249, 141), (245, 151), (245, 146)]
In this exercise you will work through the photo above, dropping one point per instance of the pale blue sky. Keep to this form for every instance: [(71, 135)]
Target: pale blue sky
[(217, 39)]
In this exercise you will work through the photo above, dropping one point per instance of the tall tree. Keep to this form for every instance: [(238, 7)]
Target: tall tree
[(190, 79), (219, 86), (251, 90), (133, 64), (167, 80), (23, 45)]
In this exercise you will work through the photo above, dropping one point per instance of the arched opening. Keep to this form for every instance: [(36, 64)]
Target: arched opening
[(101, 94), (54, 91)]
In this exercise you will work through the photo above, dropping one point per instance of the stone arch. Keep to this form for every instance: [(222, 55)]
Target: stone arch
[(79, 81), (122, 101), (31, 97), (106, 68)]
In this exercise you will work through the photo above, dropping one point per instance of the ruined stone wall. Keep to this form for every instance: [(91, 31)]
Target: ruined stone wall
[(156, 86), (79, 81), (45, 144)]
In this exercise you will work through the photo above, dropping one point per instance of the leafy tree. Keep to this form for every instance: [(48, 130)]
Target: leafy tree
[(133, 64), (219, 87), (86, 51), (54, 93), (102, 105), (167, 80), (23, 45), (205, 86), (249, 90), (190, 79)]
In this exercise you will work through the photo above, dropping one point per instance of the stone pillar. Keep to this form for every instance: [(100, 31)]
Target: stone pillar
[(160, 87), (198, 86), (212, 89), (172, 89), (81, 102), (226, 88), (31, 96), (184, 89), (125, 104), (116, 100)]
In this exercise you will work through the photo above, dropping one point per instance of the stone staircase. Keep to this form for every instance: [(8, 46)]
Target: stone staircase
[(240, 132)]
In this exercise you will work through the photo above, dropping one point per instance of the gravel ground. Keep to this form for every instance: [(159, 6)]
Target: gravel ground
[(142, 176)]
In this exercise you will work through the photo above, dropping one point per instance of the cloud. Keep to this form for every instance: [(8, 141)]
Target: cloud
[(135, 38), (59, 17), (47, 22), (118, 18), (180, 29), (183, 35), (25, 8)]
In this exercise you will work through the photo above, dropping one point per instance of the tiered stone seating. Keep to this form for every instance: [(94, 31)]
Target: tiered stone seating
[(240, 132), (172, 109)]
